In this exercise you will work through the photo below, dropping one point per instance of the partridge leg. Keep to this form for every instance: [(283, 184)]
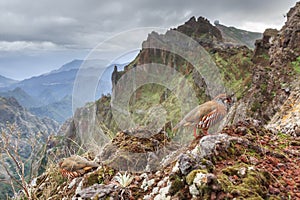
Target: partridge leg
[(195, 132), (205, 131)]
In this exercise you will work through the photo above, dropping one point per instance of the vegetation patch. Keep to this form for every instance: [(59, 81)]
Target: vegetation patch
[(296, 65)]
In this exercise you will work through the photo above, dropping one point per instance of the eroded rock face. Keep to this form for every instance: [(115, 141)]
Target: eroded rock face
[(273, 77), (287, 119), (286, 46), (262, 47)]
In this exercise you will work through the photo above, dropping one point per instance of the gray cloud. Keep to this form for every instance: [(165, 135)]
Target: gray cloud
[(28, 25), (85, 23)]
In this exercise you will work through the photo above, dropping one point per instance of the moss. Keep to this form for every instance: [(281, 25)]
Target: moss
[(177, 184), (263, 88), (208, 164), (191, 176), (265, 56), (92, 179), (102, 175), (252, 185)]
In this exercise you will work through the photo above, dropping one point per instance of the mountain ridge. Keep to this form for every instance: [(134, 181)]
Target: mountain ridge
[(237, 36), (45, 94), (4, 81)]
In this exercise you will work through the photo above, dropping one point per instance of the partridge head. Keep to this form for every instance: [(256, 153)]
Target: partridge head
[(75, 166), (207, 114)]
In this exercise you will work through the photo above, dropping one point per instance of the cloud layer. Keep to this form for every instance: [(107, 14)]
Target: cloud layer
[(81, 23), (54, 25)]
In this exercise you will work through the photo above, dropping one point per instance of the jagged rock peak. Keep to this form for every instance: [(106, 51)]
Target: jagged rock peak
[(200, 20), (200, 27), (191, 20)]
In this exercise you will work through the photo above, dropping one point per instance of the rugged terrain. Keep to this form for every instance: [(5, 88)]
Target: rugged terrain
[(253, 155), (23, 141)]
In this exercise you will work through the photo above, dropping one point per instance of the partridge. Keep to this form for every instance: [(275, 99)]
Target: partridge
[(207, 114), (75, 166)]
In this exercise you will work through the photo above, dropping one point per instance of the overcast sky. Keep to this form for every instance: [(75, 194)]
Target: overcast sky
[(39, 36)]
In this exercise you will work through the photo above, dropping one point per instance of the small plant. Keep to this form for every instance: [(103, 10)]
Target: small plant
[(124, 179), (296, 65)]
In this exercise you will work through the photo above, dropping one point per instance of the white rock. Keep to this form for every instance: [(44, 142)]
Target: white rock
[(200, 179), (146, 184), (175, 168), (193, 190), (242, 171), (155, 190)]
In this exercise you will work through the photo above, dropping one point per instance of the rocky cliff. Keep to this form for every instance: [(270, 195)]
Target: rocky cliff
[(254, 156)]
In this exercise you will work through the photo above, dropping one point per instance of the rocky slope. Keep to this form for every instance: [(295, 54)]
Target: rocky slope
[(13, 113), (255, 156)]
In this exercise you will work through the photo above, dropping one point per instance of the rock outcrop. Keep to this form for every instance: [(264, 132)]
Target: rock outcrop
[(201, 30), (286, 44), (274, 73)]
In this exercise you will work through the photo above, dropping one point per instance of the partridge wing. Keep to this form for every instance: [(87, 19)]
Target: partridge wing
[(194, 116), (212, 117), (75, 163)]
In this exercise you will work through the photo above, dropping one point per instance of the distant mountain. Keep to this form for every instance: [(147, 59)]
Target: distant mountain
[(5, 82), (60, 110), (50, 94), (49, 88), (74, 64), (236, 36), (12, 112), (23, 98), (54, 86)]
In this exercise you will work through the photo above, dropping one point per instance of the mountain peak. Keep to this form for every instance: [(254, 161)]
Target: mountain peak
[(74, 64)]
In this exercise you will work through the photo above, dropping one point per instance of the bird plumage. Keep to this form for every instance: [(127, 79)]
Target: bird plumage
[(207, 114), (75, 166)]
